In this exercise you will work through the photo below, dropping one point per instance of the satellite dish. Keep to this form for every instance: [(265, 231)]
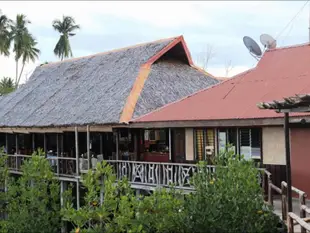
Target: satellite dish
[(252, 46), (268, 41)]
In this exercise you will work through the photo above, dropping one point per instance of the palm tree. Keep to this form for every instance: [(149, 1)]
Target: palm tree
[(4, 34), (6, 85), (29, 53), (66, 28), (23, 43)]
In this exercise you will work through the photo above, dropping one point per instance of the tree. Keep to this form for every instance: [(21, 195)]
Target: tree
[(5, 23), (203, 58), (66, 28), (34, 198), (29, 53), (228, 200), (23, 43), (228, 67), (6, 85)]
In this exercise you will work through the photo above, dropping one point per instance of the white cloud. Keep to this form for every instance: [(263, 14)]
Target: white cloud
[(217, 22), (221, 71)]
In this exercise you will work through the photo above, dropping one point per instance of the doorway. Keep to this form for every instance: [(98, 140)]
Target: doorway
[(178, 148)]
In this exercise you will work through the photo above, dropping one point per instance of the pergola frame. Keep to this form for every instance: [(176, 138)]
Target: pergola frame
[(293, 104)]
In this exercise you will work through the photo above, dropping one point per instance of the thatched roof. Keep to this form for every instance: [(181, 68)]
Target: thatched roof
[(104, 88)]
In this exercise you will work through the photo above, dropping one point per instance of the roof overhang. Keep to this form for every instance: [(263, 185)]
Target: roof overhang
[(297, 103), (56, 129), (218, 123)]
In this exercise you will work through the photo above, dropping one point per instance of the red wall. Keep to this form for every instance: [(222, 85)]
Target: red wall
[(300, 159)]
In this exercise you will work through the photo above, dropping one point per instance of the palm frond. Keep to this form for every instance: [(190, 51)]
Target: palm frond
[(66, 28)]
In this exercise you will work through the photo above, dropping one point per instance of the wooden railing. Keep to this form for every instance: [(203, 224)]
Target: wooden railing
[(151, 174), (289, 217), (65, 166), (143, 174)]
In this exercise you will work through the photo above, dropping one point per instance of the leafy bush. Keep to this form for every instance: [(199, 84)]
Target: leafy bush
[(229, 200), (114, 214), (33, 198)]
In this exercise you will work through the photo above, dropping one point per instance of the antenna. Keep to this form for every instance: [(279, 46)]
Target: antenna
[(268, 41), (252, 46)]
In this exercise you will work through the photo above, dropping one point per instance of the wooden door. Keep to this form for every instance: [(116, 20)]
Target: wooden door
[(178, 145)]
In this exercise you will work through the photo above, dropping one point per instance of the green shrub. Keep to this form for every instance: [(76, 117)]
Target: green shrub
[(33, 198), (229, 200)]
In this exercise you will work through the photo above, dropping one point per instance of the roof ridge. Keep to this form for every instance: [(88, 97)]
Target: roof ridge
[(112, 51), (288, 47), (196, 93)]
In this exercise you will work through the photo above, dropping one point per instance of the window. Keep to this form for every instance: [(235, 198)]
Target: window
[(156, 140), (227, 136), (250, 143), (204, 144)]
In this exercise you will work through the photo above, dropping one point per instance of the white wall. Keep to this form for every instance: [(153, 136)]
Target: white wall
[(189, 143), (273, 146)]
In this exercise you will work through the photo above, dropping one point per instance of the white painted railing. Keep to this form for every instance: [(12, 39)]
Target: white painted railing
[(156, 174), (142, 174), (138, 173)]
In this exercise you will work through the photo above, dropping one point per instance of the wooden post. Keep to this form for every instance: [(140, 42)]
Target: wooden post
[(117, 141), (7, 143), (238, 143), (264, 184), (270, 196), (33, 143), (77, 150), (16, 144), (288, 162), (283, 201), (101, 143), (170, 145), (290, 224), (45, 143), (62, 142), (101, 190), (77, 194), (302, 201), (88, 146), (58, 152), (63, 188)]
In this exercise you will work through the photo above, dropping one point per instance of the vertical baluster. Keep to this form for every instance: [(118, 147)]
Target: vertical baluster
[(130, 171), (164, 174), (302, 201)]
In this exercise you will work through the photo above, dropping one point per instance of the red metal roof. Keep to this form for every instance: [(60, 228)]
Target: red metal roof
[(280, 73)]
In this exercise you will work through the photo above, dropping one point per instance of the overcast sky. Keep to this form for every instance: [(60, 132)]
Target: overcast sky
[(109, 25)]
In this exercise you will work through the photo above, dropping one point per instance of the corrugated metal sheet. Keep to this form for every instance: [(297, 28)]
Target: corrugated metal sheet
[(280, 73)]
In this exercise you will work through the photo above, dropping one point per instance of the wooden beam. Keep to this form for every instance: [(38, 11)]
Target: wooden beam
[(27, 130), (214, 123)]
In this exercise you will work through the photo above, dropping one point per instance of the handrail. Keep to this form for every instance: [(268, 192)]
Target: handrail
[(304, 225), (296, 190), (305, 208)]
